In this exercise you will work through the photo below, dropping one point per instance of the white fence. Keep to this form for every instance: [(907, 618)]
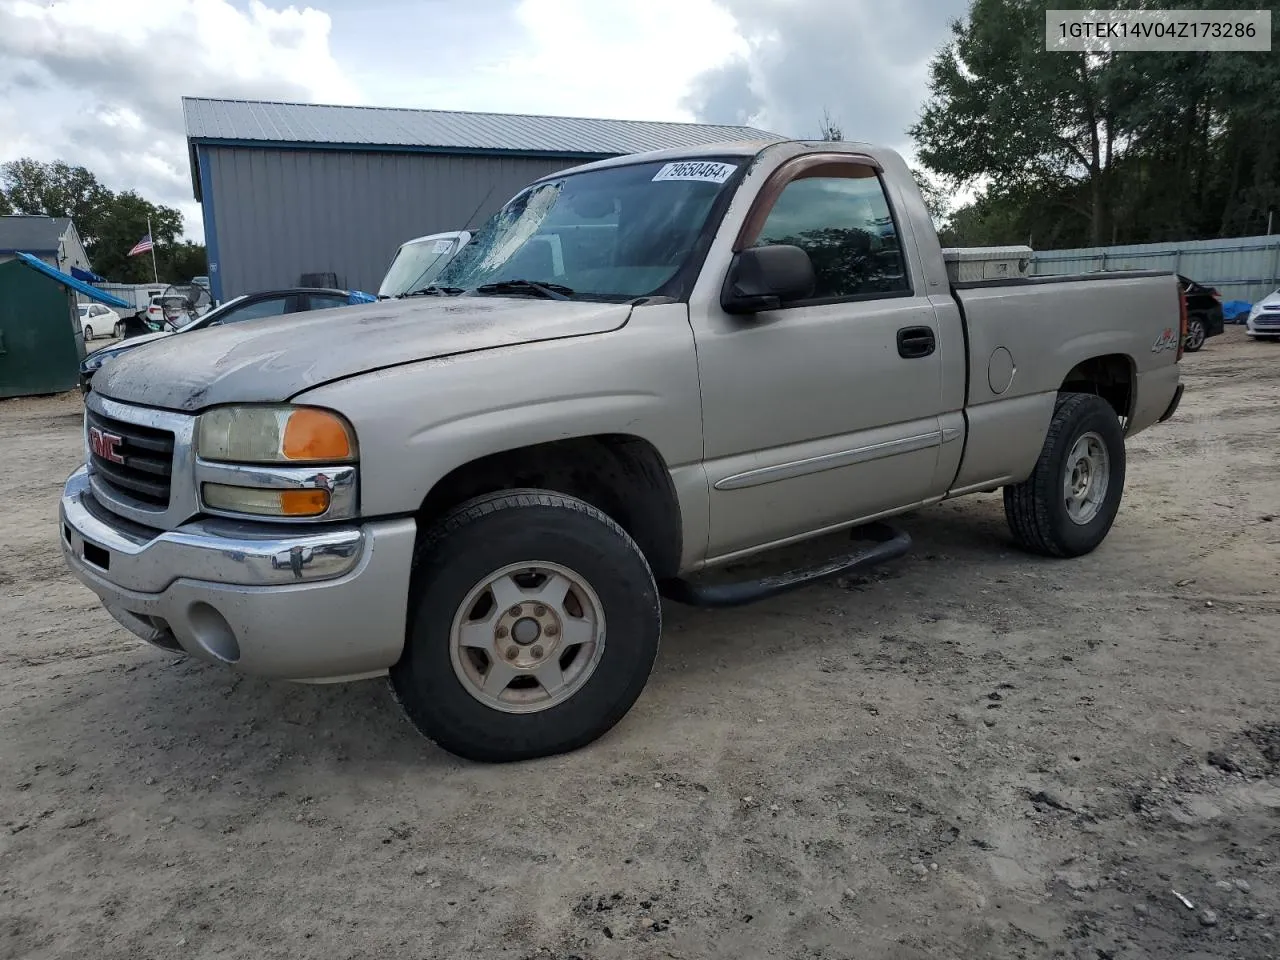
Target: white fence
[(1241, 268)]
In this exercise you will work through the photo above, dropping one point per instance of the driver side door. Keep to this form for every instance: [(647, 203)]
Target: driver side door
[(826, 410)]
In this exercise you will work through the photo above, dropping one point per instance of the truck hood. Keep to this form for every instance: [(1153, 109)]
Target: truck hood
[(272, 360)]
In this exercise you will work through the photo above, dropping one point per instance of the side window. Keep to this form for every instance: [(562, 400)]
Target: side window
[(320, 302), (256, 311), (845, 225)]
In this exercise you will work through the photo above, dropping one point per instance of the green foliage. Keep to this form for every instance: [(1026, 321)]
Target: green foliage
[(830, 130), (183, 260), (57, 190), (109, 223), (125, 227), (935, 196), (6, 207), (1073, 149)]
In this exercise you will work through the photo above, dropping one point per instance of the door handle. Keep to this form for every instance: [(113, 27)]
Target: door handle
[(916, 342)]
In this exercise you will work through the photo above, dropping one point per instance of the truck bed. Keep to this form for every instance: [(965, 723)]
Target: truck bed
[(1019, 357)]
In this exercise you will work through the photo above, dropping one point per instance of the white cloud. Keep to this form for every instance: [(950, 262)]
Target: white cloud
[(98, 82), (864, 61), (103, 91), (625, 59)]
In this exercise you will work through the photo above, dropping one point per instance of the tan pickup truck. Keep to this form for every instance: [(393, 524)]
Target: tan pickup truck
[(638, 370)]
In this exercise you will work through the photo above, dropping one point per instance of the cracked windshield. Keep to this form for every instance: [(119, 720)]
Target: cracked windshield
[(616, 233)]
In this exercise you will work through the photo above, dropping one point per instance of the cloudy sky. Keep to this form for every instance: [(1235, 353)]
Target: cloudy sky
[(98, 82)]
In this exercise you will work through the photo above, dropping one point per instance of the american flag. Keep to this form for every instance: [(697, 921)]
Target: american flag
[(142, 246)]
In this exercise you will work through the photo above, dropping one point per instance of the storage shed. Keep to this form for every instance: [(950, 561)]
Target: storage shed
[(41, 343), (289, 189)]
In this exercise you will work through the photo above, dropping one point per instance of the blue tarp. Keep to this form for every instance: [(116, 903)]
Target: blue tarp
[(359, 296), (88, 276), (79, 286), (1234, 311)]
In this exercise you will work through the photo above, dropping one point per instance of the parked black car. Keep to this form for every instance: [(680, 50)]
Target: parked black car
[(1204, 313), (250, 306)]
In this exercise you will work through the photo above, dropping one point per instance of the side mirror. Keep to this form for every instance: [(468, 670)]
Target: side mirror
[(764, 278)]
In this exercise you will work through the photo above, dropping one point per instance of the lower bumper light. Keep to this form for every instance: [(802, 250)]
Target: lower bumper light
[(266, 503)]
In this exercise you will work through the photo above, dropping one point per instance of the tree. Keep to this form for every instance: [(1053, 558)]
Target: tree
[(57, 190), (182, 261), (1078, 149), (6, 207), (109, 224), (936, 199), (830, 129), (124, 225), (1002, 109)]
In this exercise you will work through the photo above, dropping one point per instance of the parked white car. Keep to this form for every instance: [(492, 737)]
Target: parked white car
[(1264, 318), (418, 261), (97, 320)]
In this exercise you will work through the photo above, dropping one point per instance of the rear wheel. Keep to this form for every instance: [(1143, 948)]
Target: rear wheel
[(1195, 335), (1067, 505), (88, 331), (534, 624)]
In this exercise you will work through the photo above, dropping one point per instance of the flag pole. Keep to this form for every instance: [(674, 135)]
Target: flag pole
[(155, 274)]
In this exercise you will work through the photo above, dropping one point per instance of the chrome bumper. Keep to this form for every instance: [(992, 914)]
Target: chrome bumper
[(272, 600)]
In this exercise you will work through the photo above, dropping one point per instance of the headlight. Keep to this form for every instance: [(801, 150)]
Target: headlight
[(92, 362), (275, 434)]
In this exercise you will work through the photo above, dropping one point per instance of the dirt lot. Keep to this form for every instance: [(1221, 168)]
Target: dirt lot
[(970, 754)]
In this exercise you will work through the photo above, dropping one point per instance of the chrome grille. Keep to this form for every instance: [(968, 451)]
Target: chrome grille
[(153, 487), (147, 471)]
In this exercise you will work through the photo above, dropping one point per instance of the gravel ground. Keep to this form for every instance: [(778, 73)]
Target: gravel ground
[(970, 753)]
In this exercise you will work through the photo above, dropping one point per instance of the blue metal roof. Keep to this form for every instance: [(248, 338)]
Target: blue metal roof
[(93, 293), (270, 122)]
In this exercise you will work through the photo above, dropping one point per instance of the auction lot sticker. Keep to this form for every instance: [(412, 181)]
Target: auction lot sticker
[(708, 171)]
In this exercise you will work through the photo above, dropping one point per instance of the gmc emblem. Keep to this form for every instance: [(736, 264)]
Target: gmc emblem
[(105, 445)]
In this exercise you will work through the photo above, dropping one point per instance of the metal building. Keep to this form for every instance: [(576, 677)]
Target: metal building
[(52, 240), (1242, 268), (289, 189)]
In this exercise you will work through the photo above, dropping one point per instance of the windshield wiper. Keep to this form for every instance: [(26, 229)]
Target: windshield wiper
[(552, 291), (432, 291)]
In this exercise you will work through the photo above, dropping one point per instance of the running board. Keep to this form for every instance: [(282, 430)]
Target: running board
[(889, 544)]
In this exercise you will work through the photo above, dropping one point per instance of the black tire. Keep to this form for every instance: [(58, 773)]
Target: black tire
[(88, 331), (468, 545), (1196, 335), (119, 331), (1036, 509)]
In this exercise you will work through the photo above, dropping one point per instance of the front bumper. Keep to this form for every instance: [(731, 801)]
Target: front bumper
[(270, 600), (1265, 324)]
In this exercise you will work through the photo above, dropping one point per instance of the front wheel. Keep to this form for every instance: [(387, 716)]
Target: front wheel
[(534, 622), (119, 330), (1195, 336), (1067, 505)]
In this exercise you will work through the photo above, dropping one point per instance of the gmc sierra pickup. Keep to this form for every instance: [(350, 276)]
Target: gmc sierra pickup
[(638, 370)]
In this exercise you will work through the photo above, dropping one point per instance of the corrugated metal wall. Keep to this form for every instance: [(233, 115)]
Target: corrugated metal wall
[(282, 213), (1241, 268)]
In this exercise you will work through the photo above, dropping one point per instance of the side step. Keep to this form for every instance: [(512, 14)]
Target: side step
[(888, 544)]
